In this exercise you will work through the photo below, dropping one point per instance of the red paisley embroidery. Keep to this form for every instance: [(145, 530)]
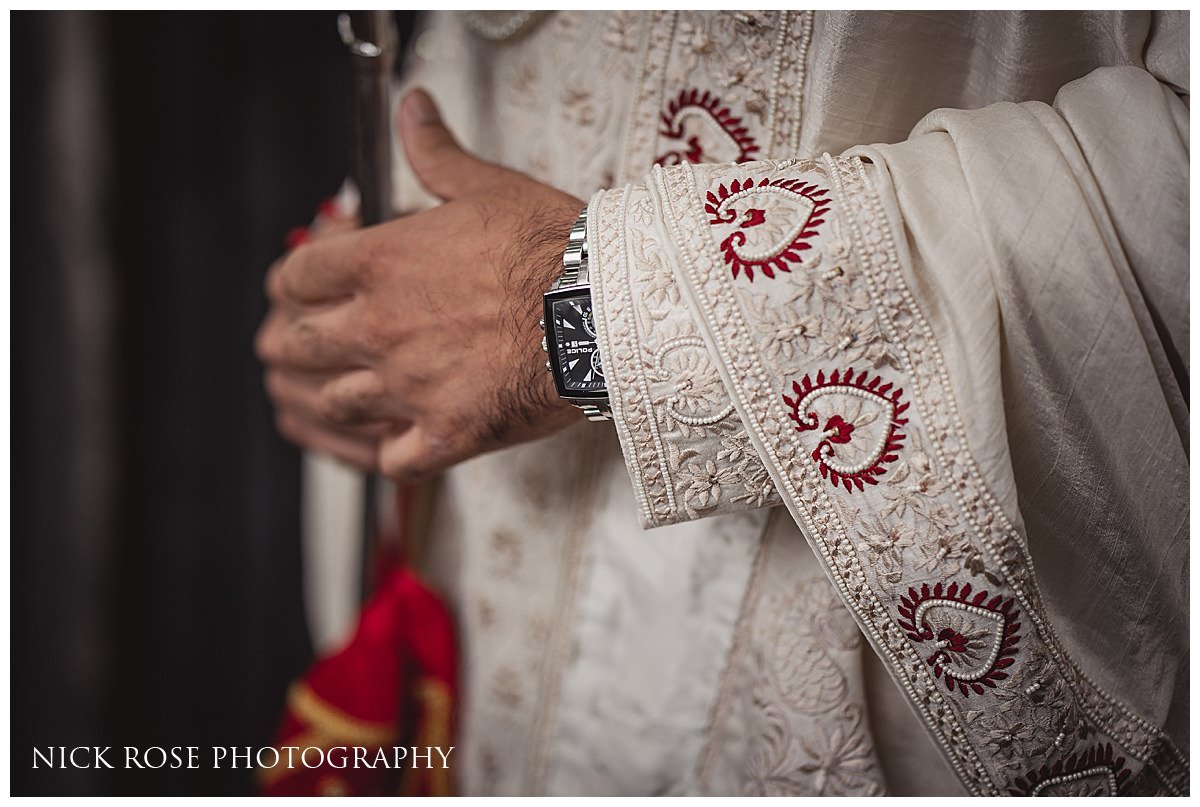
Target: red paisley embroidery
[(976, 636), (836, 430), (722, 211), (1098, 764), (691, 149)]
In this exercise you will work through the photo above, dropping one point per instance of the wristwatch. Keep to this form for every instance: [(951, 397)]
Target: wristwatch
[(570, 326)]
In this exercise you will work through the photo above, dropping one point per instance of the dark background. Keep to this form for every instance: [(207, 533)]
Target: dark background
[(157, 161)]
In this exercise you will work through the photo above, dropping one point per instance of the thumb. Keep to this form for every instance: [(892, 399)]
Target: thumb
[(439, 162), (411, 455)]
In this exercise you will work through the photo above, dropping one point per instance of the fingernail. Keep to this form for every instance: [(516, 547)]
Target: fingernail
[(420, 108)]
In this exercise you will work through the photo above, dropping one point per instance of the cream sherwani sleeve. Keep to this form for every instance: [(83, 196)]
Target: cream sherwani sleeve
[(930, 389), (959, 362)]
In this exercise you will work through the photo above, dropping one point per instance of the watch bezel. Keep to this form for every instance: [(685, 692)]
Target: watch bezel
[(548, 300)]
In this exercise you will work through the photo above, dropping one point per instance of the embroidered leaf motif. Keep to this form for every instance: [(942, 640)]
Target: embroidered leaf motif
[(704, 130), (1095, 772), (858, 423), (974, 642), (765, 225)]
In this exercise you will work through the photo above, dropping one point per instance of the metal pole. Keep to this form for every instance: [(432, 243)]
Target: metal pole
[(374, 57)]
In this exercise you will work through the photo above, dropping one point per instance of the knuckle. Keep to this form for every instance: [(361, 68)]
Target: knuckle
[(377, 334), (448, 440), (358, 400), (329, 407), (303, 341), (343, 406), (266, 342), (438, 438), (366, 259)]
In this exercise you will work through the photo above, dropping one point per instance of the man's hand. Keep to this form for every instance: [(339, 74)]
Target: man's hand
[(296, 394), (422, 333)]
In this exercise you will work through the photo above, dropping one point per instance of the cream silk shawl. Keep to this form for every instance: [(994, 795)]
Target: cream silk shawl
[(926, 398)]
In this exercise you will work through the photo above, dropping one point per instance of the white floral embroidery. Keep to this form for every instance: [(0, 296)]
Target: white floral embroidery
[(697, 397), (883, 546), (814, 738), (927, 517), (929, 520), (703, 482)]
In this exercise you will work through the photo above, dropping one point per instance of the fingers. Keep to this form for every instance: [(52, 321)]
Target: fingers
[(342, 415), (329, 221), (417, 453), (409, 456), (360, 452), (302, 416), (322, 271), (321, 341), (354, 403), (436, 158), (354, 399)]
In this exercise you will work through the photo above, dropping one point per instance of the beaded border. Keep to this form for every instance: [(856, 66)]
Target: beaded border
[(917, 604), (651, 482), (1096, 761), (1003, 543), (806, 495), (890, 439), (679, 197)]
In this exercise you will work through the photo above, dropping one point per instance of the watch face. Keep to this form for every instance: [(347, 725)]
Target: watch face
[(574, 333)]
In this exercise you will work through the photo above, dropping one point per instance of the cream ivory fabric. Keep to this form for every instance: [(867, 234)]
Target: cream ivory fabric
[(908, 420)]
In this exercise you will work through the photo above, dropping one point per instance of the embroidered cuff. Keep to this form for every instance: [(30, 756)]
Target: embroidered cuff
[(687, 452), (855, 418), (769, 297)]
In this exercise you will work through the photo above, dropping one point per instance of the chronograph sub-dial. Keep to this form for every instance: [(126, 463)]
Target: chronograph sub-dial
[(578, 362)]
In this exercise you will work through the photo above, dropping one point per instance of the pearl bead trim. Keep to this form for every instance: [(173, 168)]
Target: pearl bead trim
[(1110, 780), (750, 376), (673, 402), (997, 629), (784, 242), (497, 32), (997, 533), (876, 450)]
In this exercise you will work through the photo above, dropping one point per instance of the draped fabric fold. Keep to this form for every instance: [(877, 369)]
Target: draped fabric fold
[(942, 360), (954, 367)]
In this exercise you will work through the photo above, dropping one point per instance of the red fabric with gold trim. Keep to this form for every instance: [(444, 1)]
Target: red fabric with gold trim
[(393, 684)]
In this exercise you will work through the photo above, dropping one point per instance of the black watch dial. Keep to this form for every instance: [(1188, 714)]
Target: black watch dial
[(575, 334)]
